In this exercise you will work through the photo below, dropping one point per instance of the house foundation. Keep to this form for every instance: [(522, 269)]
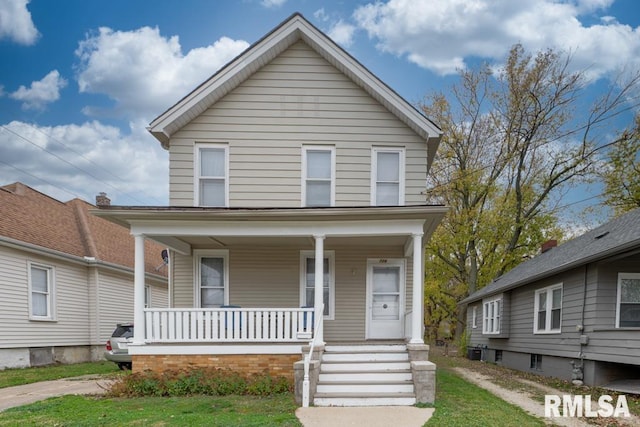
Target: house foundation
[(248, 364)]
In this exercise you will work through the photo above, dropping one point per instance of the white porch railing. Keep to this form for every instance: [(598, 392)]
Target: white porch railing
[(169, 325)]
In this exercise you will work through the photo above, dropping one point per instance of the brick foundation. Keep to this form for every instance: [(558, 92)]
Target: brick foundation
[(275, 364)]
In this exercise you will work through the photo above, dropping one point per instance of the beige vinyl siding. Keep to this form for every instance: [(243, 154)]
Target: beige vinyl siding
[(116, 301), (298, 98), (183, 285), (270, 277), (71, 302)]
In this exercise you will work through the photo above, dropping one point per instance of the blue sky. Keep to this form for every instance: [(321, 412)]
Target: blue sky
[(81, 79)]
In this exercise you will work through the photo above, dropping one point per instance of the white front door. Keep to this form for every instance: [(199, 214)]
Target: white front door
[(385, 298)]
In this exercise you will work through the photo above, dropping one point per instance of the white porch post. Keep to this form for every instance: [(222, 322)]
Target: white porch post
[(319, 287), (417, 318), (138, 290)]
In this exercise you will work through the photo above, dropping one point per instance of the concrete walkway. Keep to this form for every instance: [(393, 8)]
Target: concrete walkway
[(29, 393), (371, 416)]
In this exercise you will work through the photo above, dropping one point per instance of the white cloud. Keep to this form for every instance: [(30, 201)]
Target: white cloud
[(131, 169), (144, 72), (442, 35), (16, 23), (272, 3), (41, 92), (342, 33), (320, 15)]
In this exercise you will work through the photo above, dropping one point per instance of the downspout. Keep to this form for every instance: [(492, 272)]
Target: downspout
[(577, 374)]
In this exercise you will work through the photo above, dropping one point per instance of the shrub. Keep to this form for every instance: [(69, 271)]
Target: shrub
[(198, 381)]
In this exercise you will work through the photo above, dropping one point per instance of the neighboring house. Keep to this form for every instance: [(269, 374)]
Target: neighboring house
[(66, 279), (297, 193), (578, 302)]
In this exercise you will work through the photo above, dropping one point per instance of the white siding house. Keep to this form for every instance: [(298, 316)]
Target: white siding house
[(297, 217)]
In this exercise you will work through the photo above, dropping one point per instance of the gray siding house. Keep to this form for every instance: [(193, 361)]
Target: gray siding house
[(297, 218), (572, 312)]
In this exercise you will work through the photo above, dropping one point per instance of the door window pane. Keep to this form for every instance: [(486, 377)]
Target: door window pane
[(386, 279)]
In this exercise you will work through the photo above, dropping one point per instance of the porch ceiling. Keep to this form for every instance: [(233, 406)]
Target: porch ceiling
[(212, 242)]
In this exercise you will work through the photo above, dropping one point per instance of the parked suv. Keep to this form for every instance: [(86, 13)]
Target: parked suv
[(117, 348)]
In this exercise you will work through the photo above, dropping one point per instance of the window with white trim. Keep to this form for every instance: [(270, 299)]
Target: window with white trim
[(387, 176), (41, 291), (318, 175), (548, 310), (474, 317), (212, 175), (628, 301), (212, 278), (308, 280), (491, 316), (147, 296)]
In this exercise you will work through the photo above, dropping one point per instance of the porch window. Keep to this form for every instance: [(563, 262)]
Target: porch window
[(628, 304), (318, 176), (548, 310), (491, 312), (387, 176), (307, 281), (212, 275), (212, 170), (41, 292)]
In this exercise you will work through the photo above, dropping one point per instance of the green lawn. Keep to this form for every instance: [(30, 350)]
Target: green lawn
[(12, 377), (458, 403), (156, 411)]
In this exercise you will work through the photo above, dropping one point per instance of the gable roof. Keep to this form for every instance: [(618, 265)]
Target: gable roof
[(612, 238), (37, 220), (295, 28)]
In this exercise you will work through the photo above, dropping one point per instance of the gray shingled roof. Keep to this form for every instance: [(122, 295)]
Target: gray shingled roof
[(617, 236)]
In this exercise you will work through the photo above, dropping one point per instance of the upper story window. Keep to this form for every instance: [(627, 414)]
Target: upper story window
[(41, 292), (387, 176), (212, 175), (628, 304), (212, 278), (318, 175), (491, 316), (548, 310)]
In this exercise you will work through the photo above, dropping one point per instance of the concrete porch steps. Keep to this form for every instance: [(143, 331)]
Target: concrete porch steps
[(365, 375)]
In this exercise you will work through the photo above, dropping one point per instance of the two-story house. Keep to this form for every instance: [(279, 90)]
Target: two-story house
[(297, 215)]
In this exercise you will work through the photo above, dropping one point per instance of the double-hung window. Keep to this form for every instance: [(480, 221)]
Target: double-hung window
[(491, 316), (41, 292), (212, 277), (548, 310), (212, 175), (628, 304), (387, 176), (308, 280), (318, 175), (474, 317)]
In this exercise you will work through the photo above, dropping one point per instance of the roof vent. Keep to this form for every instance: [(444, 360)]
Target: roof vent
[(601, 235)]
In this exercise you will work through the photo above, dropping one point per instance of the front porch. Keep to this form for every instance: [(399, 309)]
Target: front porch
[(252, 288)]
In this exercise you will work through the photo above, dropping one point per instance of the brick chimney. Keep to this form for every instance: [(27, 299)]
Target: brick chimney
[(548, 245), (102, 200)]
